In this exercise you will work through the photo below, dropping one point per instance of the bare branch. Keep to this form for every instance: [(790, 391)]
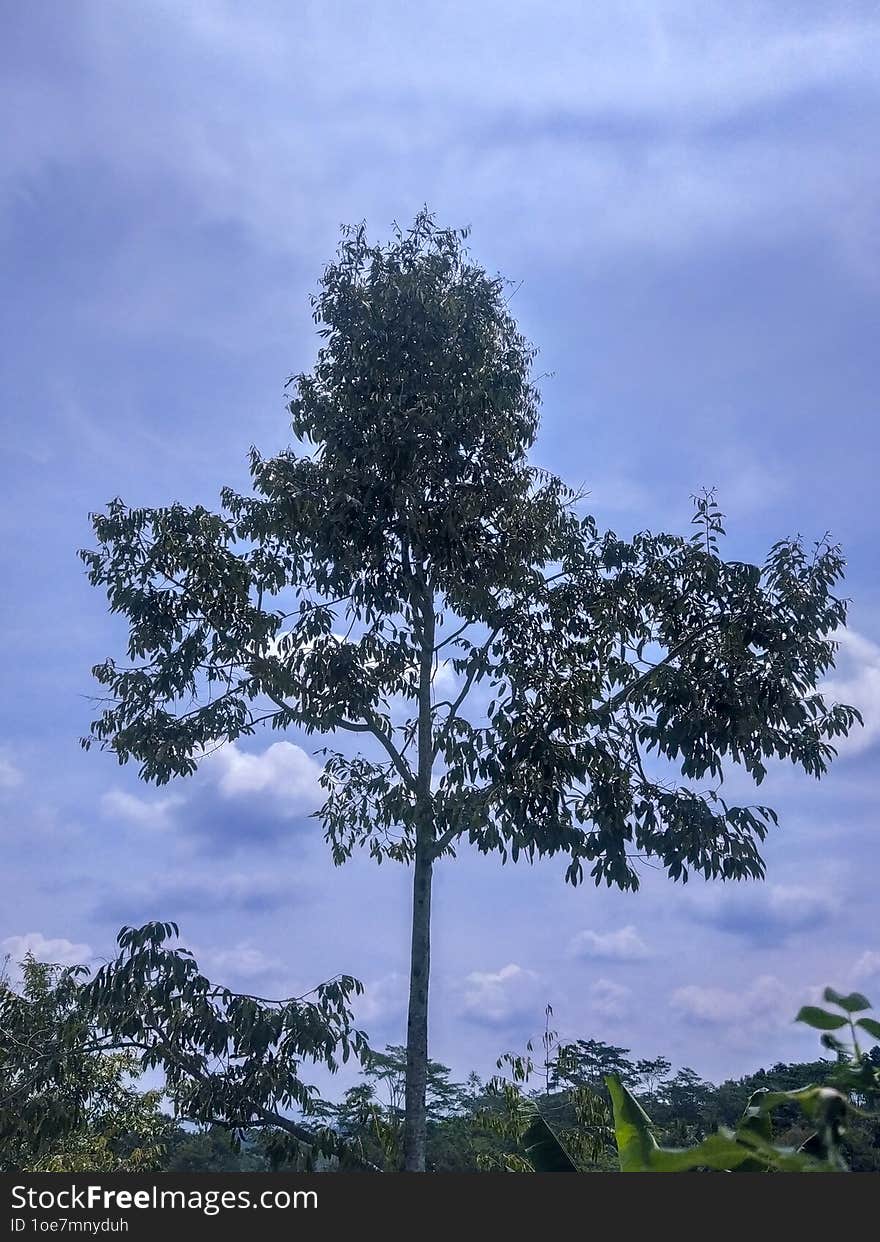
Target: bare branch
[(452, 637), (371, 726)]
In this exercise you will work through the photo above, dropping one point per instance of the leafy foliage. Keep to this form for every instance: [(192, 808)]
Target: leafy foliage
[(211, 1149), (412, 522), (417, 513), (65, 1104), (857, 1073), (749, 1148), (71, 1100), (565, 1129), (67, 1042), (562, 1129), (370, 1117)]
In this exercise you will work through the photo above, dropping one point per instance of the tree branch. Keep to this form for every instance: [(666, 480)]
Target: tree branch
[(265, 1117), (461, 629), (443, 736), (373, 727), (446, 839), (622, 695), (370, 726)]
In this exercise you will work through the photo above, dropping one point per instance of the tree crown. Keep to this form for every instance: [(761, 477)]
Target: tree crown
[(411, 534)]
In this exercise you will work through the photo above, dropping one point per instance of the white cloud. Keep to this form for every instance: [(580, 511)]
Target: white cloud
[(242, 962), (142, 812), (766, 1003), (856, 680), (59, 952), (283, 771), (10, 776), (495, 998), (625, 945), (867, 968), (381, 999), (609, 999)]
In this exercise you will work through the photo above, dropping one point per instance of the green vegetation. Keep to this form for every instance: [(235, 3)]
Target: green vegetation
[(820, 1109), (71, 1046), (74, 1047), (597, 679)]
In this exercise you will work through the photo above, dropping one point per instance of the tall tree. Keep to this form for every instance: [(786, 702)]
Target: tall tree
[(412, 521)]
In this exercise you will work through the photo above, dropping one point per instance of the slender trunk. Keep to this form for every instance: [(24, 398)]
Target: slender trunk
[(415, 1112), (415, 1117)]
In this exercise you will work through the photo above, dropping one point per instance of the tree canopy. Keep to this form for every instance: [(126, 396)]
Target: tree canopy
[(73, 1045), (598, 681)]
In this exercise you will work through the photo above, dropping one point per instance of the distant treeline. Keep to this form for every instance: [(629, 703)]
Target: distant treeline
[(461, 1137)]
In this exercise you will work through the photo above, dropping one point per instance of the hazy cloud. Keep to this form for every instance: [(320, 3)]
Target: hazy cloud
[(497, 998), (765, 1003), (765, 913), (382, 999), (168, 896), (243, 962), (10, 776), (867, 968), (625, 945), (151, 813), (609, 999), (660, 141), (45, 949)]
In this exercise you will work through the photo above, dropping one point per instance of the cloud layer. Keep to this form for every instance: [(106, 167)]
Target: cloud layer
[(625, 945), (767, 914), (687, 202), (54, 950)]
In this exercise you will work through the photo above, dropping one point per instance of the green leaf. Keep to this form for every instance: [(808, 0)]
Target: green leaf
[(720, 1152), (747, 1150), (820, 1019), (756, 1118), (545, 1150), (632, 1129), (853, 1002), (871, 1025)]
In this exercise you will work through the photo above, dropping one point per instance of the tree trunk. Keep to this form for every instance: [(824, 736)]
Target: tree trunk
[(415, 1118), (415, 1114)]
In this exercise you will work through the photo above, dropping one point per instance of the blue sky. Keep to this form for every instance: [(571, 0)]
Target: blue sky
[(687, 195)]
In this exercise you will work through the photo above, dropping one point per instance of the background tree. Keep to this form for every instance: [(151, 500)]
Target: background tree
[(71, 1045), (65, 1105), (413, 522), (73, 1108), (370, 1117), (587, 1062), (211, 1149), (813, 1117)]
